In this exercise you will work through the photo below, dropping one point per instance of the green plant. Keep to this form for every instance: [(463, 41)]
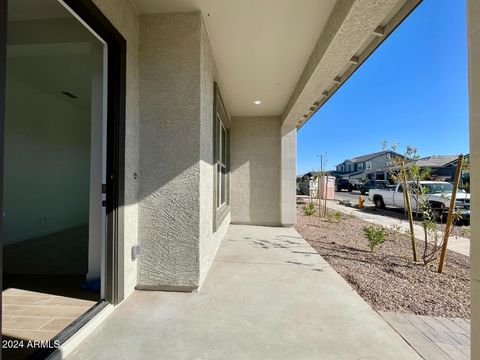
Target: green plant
[(309, 209), (465, 230), (375, 235), (337, 215), (333, 216)]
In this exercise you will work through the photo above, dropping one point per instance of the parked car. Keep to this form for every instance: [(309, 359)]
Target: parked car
[(356, 184), (438, 195), (344, 184), (303, 187), (373, 184)]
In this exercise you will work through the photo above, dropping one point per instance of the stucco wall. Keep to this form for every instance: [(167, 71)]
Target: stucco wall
[(474, 92), (255, 170), (288, 198), (209, 241), (169, 150), (124, 17)]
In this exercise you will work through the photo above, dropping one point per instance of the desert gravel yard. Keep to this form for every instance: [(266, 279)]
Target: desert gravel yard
[(459, 230), (388, 279)]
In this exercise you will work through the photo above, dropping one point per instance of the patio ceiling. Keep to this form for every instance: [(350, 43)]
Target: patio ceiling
[(289, 54), (260, 47)]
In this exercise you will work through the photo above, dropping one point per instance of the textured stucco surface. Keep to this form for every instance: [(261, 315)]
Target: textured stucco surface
[(255, 170), (349, 27), (124, 17), (176, 152), (169, 150), (209, 241), (288, 196), (474, 92)]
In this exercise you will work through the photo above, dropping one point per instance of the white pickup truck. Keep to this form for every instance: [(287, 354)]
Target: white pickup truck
[(437, 193)]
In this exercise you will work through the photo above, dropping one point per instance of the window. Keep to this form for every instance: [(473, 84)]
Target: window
[(368, 165), (221, 143), (360, 166)]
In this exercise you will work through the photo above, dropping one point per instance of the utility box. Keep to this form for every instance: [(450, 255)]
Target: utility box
[(327, 187), (313, 185)]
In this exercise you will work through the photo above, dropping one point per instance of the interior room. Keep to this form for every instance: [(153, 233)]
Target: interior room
[(54, 222)]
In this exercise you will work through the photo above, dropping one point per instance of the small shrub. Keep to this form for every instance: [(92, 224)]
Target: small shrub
[(337, 215), (334, 216), (375, 235), (309, 209), (465, 230), (396, 227)]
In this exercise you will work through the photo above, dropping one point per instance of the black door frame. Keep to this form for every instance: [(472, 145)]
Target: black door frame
[(116, 97)]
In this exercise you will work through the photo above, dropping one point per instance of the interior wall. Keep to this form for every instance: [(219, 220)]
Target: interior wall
[(124, 17), (47, 163), (255, 170)]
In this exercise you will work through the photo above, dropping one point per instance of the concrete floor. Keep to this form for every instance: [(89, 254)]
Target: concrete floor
[(268, 295)]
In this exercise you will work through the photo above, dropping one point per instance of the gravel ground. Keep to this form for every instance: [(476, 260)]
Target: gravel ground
[(388, 279), (458, 230)]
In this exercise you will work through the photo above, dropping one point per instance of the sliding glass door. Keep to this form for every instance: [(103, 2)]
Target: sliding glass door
[(62, 136)]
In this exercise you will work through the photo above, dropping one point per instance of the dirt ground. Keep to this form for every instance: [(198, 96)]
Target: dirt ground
[(388, 279)]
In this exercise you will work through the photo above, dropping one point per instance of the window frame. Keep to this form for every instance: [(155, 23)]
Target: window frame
[(221, 160)]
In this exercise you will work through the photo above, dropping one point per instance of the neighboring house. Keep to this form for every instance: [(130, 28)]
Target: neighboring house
[(441, 167), (146, 127), (367, 166)]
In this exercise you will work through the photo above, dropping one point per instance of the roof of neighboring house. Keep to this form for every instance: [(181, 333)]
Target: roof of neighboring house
[(367, 157), (436, 161), (465, 158)]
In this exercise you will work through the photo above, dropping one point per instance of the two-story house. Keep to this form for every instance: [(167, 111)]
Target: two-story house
[(368, 166)]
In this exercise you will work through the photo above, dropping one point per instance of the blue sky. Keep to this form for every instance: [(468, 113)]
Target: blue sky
[(411, 91)]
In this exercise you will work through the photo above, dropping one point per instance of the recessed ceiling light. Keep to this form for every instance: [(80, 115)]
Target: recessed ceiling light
[(257, 102)]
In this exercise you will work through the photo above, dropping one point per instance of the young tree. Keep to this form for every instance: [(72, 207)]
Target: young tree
[(406, 172)]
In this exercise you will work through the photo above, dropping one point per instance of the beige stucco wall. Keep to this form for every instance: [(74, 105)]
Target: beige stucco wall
[(209, 241), (176, 152), (124, 17), (288, 195), (474, 93), (255, 170), (169, 150)]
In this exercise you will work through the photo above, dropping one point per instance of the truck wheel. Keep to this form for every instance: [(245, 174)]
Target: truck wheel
[(379, 204), (438, 211)]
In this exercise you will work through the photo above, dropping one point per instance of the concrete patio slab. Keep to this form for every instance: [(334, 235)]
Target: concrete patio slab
[(268, 295)]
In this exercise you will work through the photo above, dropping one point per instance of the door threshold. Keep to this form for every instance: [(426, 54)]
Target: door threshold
[(76, 332)]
